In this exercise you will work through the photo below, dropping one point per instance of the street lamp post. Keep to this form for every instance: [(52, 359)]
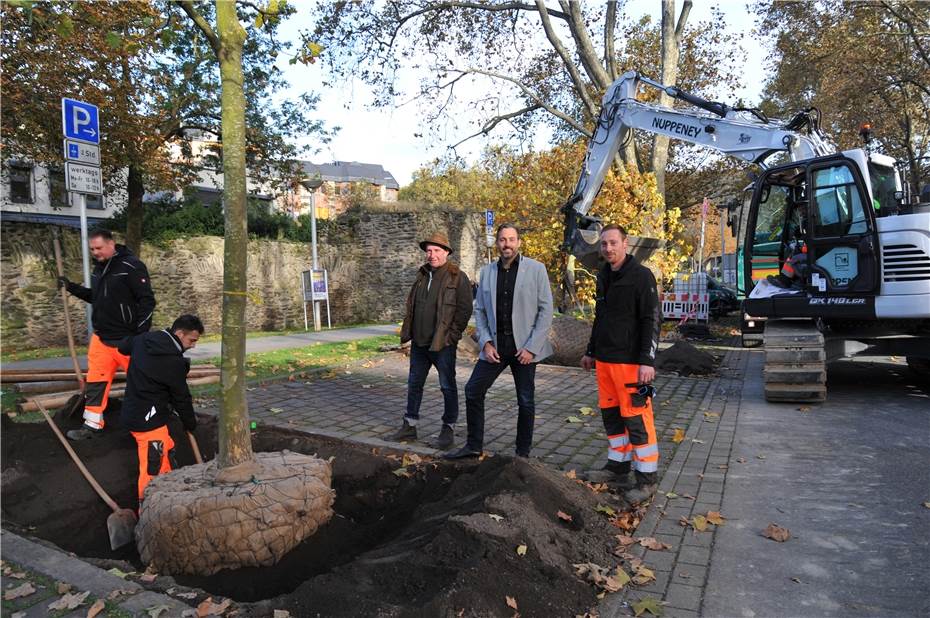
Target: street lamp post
[(312, 185)]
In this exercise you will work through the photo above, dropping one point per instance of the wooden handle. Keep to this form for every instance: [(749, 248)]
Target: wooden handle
[(195, 447), (64, 303), (87, 475)]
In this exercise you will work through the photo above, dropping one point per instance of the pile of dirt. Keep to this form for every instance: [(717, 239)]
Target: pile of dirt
[(410, 536), (685, 359)]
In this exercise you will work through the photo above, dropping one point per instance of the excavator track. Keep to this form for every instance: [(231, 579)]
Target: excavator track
[(795, 362)]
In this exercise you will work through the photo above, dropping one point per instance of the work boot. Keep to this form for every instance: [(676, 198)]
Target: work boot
[(446, 437), (84, 433), (406, 432), (612, 472), (641, 493)]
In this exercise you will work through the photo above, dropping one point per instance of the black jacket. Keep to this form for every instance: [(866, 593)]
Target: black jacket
[(627, 315), (121, 296), (156, 382)]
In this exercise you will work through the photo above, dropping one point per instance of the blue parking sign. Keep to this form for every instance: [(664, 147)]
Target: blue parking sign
[(489, 218), (80, 121)]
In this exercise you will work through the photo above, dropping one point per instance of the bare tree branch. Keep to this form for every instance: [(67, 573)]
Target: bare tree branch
[(537, 100), (586, 53), (610, 24), (188, 7), (493, 122), (567, 60), (682, 20), (911, 30)]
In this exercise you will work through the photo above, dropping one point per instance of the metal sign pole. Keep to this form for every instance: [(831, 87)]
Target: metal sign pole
[(303, 299), (329, 323), (85, 254)]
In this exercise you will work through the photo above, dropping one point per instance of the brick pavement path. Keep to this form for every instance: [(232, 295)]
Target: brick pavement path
[(366, 402), (692, 485)]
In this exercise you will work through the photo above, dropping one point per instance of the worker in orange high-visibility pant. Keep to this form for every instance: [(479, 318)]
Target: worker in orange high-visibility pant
[(622, 348), (121, 296)]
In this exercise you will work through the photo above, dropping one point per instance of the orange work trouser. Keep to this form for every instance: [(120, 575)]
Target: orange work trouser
[(156, 454), (630, 428), (102, 363)]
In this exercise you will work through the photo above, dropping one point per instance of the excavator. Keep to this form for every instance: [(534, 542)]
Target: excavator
[(864, 287)]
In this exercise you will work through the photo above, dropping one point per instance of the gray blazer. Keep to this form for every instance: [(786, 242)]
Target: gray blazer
[(532, 308)]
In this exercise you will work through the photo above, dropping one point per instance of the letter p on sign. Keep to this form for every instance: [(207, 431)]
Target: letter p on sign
[(80, 121)]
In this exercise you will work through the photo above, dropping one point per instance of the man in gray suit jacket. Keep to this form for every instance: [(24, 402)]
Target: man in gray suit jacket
[(513, 313)]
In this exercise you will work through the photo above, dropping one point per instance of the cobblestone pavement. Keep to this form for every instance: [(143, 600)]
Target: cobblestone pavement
[(366, 403)]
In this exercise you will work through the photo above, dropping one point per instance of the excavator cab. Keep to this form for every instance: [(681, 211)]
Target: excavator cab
[(823, 206)]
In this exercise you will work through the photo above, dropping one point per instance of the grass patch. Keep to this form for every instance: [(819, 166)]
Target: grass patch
[(37, 353)]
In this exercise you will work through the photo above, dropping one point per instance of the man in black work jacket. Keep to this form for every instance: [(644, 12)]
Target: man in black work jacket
[(121, 296), (623, 345), (156, 387)]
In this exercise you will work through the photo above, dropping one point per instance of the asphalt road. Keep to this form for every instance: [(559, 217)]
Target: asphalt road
[(849, 479)]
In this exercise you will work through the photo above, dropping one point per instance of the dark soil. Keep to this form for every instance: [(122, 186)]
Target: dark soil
[(685, 359), (423, 545)]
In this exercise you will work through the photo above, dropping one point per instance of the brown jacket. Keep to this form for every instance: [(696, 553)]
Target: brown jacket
[(453, 307)]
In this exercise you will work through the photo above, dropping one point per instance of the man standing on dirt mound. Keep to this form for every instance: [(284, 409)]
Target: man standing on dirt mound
[(438, 309), (624, 340), (156, 386), (513, 313), (123, 302)]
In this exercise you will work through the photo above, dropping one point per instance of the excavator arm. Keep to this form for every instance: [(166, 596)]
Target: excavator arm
[(742, 133)]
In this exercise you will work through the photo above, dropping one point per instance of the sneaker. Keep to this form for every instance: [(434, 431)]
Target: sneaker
[(641, 493), (446, 438), (462, 453), (406, 432), (84, 433)]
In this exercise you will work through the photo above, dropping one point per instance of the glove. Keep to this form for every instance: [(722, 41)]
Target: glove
[(190, 424), (63, 282)]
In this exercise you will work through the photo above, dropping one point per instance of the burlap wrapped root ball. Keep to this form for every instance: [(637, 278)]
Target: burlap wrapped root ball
[(198, 520)]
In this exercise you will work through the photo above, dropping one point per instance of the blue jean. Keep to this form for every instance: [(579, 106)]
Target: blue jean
[(421, 359), (482, 377)]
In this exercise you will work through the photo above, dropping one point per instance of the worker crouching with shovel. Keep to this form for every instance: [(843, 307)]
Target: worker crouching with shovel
[(156, 387)]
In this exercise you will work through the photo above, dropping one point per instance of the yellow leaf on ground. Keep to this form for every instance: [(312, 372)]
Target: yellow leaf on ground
[(573, 419), (679, 436), (62, 587), (411, 459), (23, 590), (586, 411), (606, 510), (643, 576), (699, 523), (69, 601), (647, 604), (716, 518), (571, 474), (776, 533), (625, 539), (208, 608), (521, 550), (402, 472), (653, 543)]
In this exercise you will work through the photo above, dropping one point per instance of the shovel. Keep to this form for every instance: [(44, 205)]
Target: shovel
[(195, 447), (76, 403), (122, 522)]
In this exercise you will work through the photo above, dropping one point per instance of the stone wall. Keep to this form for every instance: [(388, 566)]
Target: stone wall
[(371, 258)]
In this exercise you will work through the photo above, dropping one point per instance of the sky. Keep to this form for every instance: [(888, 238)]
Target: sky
[(395, 138)]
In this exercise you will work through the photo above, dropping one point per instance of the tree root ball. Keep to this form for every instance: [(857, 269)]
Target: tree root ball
[(199, 520)]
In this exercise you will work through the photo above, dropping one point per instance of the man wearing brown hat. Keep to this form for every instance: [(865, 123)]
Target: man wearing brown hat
[(438, 309)]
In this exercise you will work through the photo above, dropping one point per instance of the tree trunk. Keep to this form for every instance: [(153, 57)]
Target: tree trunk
[(235, 444), (134, 213)]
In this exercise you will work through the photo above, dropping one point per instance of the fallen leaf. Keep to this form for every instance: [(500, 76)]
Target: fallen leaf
[(62, 587), (741, 460), (796, 580), (696, 441), (208, 608), (684, 575), (521, 550), (711, 415), (715, 518), (722, 467), (511, 602), (804, 409), (281, 613), (927, 504), (625, 539), (117, 572), (571, 474), (679, 436), (69, 601), (19, 575), (118, 593), (156, 610), (411, 459), (611, 581), (647, 604), (563, 516), (699, 523), (776, 533), (187, 595), (643, 576), (606, 510), (496, 517), (402, 472), (653, 543), (18, 615), (573, 419), (276, 410), (760, 456), (616, 580), (671, 495), (586, 411), (96, 608), (23, 590), (148, 577)]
